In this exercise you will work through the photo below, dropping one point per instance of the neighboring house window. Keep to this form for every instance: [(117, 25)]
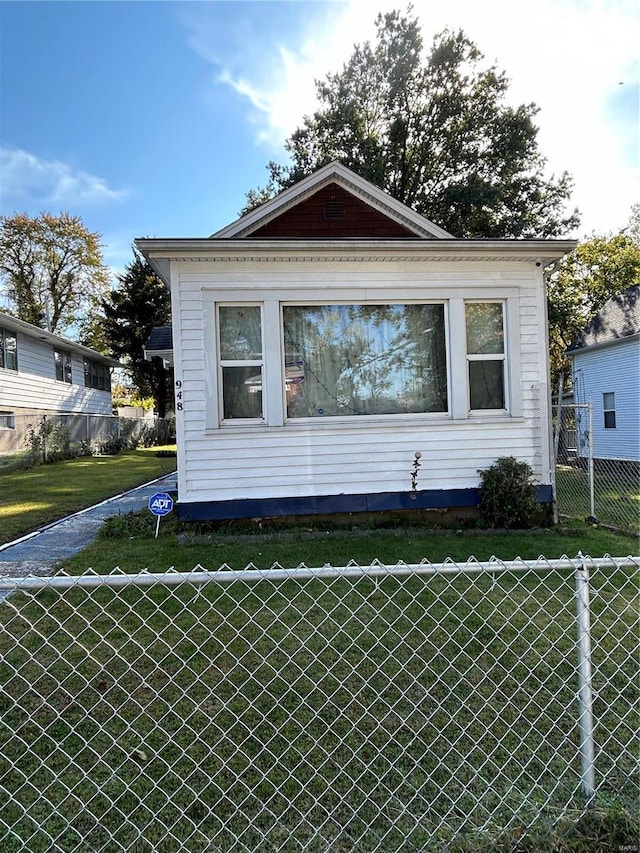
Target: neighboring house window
[(485, 355), (240, 361), (96, 375), (364, 359), (7, 420), (609, 407), (8, 350), (62, 362)]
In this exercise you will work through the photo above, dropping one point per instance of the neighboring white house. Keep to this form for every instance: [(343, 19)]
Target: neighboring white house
[(606, 371), (328, 336), (42, 373)]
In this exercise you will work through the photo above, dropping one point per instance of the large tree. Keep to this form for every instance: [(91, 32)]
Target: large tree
[(435, 132), (140, 302), (584, 281), (52, 269)]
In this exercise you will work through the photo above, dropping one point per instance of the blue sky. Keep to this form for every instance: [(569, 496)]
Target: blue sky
[(155, 118)]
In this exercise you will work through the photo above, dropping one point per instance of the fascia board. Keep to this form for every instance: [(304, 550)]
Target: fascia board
[(543, 252)]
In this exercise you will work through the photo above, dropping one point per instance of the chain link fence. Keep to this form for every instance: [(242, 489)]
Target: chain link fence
[(336, 709), (49, 437), (588, 485)]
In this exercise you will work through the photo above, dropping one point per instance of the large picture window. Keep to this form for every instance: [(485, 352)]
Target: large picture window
[(485, 355), (364, 359), (8, 350), (241, 361)]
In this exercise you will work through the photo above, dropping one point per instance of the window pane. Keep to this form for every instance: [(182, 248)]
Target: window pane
[(610, 420), (11, 350), (484, 328), (486, 385), (364, 359), (241, 392), (240, 333), (58, 360), (609, 400)]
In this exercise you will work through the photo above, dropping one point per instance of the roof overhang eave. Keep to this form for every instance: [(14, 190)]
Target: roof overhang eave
[(161, 251)]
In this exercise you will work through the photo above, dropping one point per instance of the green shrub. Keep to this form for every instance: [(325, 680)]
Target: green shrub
[(508, 495)]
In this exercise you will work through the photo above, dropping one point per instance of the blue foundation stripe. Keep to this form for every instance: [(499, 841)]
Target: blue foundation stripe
[(329, 504)]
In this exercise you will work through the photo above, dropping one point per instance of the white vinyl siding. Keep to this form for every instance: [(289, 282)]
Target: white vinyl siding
[(34, 385), (338, 456)]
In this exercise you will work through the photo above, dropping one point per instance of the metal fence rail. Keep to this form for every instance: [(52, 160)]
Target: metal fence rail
[(589, 485), (356, 708)]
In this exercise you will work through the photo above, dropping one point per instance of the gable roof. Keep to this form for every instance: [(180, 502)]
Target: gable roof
[(334, 173), (618, 318)]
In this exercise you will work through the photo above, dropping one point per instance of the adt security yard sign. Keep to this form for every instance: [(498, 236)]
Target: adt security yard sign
[(160, 504)]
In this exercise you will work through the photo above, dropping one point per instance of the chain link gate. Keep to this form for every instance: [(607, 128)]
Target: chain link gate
[(369, 709), (588, 485)]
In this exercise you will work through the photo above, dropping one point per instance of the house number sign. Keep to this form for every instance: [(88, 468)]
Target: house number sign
[(179, 405)]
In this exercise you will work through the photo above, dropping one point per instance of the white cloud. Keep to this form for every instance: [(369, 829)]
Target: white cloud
[(27, 178), (567, 56)]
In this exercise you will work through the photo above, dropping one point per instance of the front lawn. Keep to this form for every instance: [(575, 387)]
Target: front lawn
[(130, 544), (30, 498), (433, 713)]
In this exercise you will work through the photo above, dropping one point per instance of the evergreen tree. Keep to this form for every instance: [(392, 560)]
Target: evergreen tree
[(140, 302)]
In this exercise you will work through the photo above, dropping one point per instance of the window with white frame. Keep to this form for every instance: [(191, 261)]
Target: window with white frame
[(279, 362), (62, 362), (343, 360), (240, 360), (7, 420), (8, 350), (609, 409), (485, 355)]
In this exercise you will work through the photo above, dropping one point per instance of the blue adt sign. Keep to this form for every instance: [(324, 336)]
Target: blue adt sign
[(160, 503)]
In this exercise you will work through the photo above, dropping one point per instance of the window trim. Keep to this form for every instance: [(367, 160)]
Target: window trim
[(396, 299), (274, 298), (477, 357), (7, 419), (222, 363), (66, 365), (4, 334), (609, 410)]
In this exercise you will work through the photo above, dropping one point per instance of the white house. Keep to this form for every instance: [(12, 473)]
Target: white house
[(42, 373), (606, 371), (328, 336)]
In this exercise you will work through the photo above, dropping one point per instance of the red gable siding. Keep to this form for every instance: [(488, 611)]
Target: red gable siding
[(307, 219)]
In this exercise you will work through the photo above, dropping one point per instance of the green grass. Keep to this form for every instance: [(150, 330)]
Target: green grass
[(130, 545), (404, 714), (616, 498), (30, 498)]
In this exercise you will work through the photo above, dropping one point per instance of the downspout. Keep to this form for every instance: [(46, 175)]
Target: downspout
[(546, 273)]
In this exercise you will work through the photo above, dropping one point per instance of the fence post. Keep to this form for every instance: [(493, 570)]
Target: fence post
[(585, 693), (592, 495)]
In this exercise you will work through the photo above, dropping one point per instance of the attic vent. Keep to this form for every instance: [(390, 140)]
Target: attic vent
[(334, 210)]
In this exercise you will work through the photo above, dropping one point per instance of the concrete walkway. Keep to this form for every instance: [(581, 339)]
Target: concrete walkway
[(38, 552)]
